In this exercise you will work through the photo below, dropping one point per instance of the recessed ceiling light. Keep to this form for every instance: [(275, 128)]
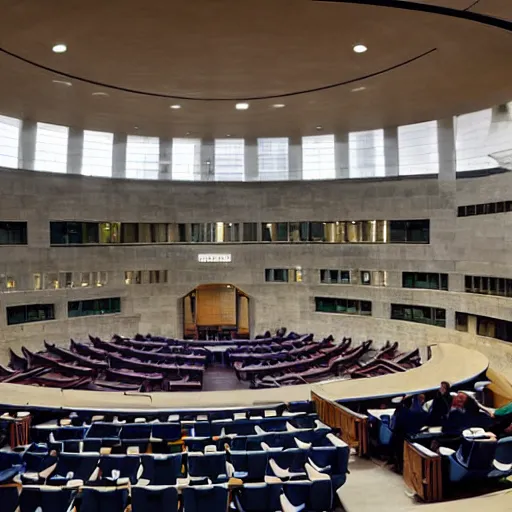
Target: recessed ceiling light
[(135, 127), (359, 48), (188, 133), (319, 128), (175, 107), (60, 48), (357, 89), (242, 106), (279, 105), (228, 135), (62, 82), (100, 93)]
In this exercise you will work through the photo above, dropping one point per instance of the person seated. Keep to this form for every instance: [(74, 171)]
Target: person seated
[(441, 405), (503, 421)]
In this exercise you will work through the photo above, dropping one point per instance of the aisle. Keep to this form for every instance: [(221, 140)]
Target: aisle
[(219, 378), (370, 487)]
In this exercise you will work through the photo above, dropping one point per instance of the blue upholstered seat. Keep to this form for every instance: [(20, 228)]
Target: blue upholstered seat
[(104, 500), (48, 498), (9, 498), (161, 469), (81, 466), (257, 497), (154, 499), (202, 498)]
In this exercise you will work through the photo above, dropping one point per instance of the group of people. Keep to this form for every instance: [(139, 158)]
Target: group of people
[(450, 411)]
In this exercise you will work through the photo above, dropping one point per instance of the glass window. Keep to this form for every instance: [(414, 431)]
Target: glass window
[(325, 276), (85, 279), (317, 231), (229, 159), (94, 307), (299, 231), (51, 148), (461, 322), (345, 276), (417, 148), (231, 232), (273, 158), (129, 232), (366, 307), (66, 280), (410, 231), (51, 281), (9, 141), (334, 276), (275, 232), (109, 232), (102, 279), (186, 159), (30, 313), (348, 306), (13, 233), (366, 154), (276, 275), (250, 230), (366, 277), (142, 157), (318, 161), (97, 153), (472, 134), (38, 282), (468, 283)]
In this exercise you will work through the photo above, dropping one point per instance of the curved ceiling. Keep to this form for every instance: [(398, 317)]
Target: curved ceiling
[(419, 65)]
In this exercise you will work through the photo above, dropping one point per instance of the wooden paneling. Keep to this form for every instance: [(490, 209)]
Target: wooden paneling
[(353, 426), (243, 314), (189, 326), (422, 473), (216, 305)]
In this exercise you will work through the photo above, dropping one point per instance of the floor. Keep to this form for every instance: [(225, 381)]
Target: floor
[(220, 378), (371, 486)]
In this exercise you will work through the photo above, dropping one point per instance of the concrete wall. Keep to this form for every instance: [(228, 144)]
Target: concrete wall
[(473, 245)]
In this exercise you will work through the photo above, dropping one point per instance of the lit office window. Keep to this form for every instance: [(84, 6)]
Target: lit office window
[(186, 159), (142, 157), (229, 159), (51, 148), (9, 141), (97, 153), (366, 154), (417, 148), (318, 157), (273, 159)]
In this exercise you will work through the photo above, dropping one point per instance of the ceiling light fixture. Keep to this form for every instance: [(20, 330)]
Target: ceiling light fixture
[(59, 48), (279, 105), (62, 82), (318, 128), (359, 48), (228, 135), (357, 89), (242, 106), (135, 127), (188, 133), (175, 107), (100, 93)]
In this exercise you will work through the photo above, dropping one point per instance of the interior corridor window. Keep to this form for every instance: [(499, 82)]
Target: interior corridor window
[(97, 153), (142, 157), (229, 159), (318, 157), (417, 148), (186, 159), (366, 154), (51, 148), (273, 159), (9, 141)]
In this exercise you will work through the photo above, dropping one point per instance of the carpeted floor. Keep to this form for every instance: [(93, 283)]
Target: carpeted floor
[(221, 378)]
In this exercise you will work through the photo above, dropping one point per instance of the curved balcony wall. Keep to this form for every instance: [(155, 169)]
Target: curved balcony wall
[(479, 140), (109, 285)]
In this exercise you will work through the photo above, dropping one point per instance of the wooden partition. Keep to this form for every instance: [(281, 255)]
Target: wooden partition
[(423, 472), (353, 426)]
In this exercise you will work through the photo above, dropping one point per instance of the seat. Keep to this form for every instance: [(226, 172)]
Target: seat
[(257, 497), (105, 499), (314, 496), (112, 468), (205, 497), (136, 432), (68, 433), (108, 432), (160, 469), (50, 499), (167, 432), (9, 498), (71, 466), (10, 465), (502, 463), (154, 498), (283, 474), (210, 465), (293, 459)]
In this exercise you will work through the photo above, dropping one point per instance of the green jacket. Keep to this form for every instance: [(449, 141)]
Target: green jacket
[(503, 411)]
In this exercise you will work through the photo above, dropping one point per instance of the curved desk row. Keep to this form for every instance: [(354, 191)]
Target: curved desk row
[(448, 362)]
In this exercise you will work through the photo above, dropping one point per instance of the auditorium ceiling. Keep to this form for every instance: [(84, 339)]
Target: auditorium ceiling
[(127, 62)]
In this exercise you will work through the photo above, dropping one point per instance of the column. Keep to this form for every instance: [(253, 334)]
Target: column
[(446, 149), (341, 155), (165, 168), (119, 156), (295, 158), (75, 150), (27, 145), (251, 171), (207, 160), (391, 151)]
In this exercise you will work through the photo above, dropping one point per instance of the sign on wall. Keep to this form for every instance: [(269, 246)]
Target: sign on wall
[(214, 258)]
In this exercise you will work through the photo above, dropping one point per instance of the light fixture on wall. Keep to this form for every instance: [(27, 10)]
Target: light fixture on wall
[(279, 105), (242, 106), (175, 107), (62, 82)]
